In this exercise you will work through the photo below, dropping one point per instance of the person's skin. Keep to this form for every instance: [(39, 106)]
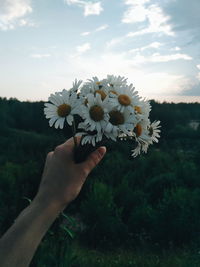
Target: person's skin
[(61, 183)]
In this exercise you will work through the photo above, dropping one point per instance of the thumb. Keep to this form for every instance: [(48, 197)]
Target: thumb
[(93, 159)]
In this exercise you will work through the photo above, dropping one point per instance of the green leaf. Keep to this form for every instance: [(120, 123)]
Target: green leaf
[(68, 231)]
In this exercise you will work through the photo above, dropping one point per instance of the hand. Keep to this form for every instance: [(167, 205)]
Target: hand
[(63, 179)]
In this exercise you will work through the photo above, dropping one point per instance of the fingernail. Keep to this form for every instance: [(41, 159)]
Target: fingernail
[(102, 150)]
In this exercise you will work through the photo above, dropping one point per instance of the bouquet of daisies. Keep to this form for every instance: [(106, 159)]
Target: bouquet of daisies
[(105, 109)]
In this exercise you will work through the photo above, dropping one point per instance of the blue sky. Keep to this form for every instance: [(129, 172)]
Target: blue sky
[(46, 44)]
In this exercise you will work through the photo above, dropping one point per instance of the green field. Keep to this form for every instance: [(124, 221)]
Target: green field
[(131, 212)]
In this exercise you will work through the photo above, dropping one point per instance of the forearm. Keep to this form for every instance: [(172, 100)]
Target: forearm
[(18, 245), (61, 183)]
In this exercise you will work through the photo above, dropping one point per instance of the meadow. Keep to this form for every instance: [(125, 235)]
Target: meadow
[(131, 212)]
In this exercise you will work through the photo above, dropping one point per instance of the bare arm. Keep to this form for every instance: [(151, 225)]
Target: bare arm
[(61, 183)]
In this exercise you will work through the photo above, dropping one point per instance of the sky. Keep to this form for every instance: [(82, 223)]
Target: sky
[(46, 44)]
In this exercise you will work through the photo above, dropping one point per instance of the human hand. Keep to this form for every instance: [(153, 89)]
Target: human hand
[(62, 178)]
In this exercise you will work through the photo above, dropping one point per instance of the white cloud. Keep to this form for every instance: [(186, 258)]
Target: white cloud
[(154, 45), (101, 28), (177, 48), (198, 76), (198, 66), (85, 33), (40, 55), (115, 41), (165, 58), (148, 84), (156, 58), (81, 49), (138, 11), (177, 99), (12, 13), (90, 8)]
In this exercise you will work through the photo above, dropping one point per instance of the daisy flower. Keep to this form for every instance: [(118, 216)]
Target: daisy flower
[(140, 148), (62, 108), (141, 137), (116, 81), (141, 131), (119, 122), (154, 131), (124, 97), (140, 134), (146, 134), (108, 108), (142, 109), (95, 86), (94, 113), (90, 139), (75, 86)]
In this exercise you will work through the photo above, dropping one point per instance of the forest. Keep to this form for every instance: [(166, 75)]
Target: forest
[(142, 211)]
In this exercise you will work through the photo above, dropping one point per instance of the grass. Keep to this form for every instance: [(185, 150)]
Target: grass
[(123, 258)]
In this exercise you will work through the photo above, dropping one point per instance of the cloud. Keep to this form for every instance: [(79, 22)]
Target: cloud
[(115, 41), (143, 11), (81, 49), (184, 14), (85, 33), (156, 57), (184, 17), (149, 84), (165, 58), (193, 89), (178, 99), (90, 8), (198, 77), (100, 28), (176, 48), (136, 12), (154, 45), (13, 13), (40, 55)]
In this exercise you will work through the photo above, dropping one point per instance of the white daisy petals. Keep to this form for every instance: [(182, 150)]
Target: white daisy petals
[(108, 109)]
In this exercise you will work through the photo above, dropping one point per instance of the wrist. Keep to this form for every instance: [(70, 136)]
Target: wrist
[(49, 206)]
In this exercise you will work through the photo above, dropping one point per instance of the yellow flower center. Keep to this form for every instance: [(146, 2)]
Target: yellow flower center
[(102, 93), (116, 117), (96, 113), (138, 130), (138, 109), (64, 110), (124, 100), (98, 83)]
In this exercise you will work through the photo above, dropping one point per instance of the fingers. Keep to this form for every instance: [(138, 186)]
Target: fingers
[(93, 159), (66, 149), (69, 145), (70, 142)]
